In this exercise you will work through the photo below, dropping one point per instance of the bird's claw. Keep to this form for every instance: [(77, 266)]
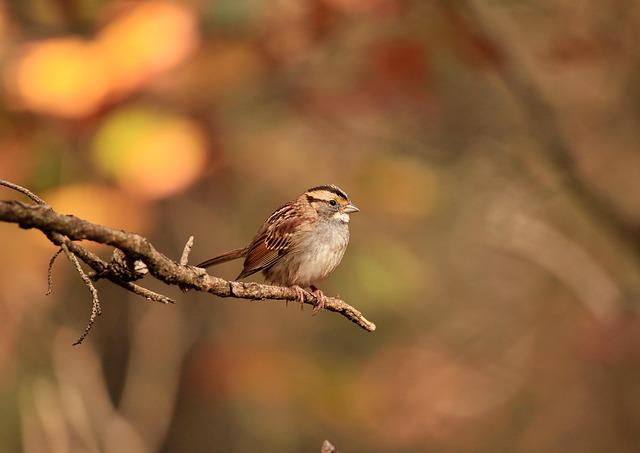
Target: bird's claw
[(320, 300), (300, 293), (318, 294)]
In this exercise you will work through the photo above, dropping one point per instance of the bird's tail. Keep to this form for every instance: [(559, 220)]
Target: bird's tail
[(229, 256)]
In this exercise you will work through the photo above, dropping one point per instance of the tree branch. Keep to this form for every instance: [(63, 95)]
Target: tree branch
[(50, 271), (108, 271), (328, 447), (63, 229), (96, 309)]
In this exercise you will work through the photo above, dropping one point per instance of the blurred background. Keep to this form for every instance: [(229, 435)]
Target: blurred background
[(492, 147)]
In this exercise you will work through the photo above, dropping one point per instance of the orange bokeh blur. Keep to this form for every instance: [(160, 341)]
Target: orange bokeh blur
[(150, 154), (60, 76), (72, 77), (115, 207), (151, 38), (490, 146)]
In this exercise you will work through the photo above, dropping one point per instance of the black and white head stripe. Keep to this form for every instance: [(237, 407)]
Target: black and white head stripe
[(329, 188)]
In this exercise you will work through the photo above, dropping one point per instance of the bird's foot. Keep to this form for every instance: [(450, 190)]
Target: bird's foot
[(300, 293), (320, 297)]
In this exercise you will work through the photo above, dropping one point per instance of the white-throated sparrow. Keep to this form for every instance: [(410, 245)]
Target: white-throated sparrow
[(300, 243)]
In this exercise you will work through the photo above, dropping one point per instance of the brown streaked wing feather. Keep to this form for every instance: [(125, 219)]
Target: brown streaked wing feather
[(272, 242)]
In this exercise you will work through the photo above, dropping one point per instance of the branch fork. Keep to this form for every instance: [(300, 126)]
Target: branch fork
[(134, 256)]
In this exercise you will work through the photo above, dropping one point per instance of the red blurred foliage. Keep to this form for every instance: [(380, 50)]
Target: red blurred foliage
[(468, 42), (375, 7), (614, 344), (568, 50), (398, 67)]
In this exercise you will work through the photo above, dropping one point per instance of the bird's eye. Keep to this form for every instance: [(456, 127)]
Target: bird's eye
[(333, 202)]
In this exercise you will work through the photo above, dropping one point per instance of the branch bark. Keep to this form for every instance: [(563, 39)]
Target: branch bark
[(64, 229)]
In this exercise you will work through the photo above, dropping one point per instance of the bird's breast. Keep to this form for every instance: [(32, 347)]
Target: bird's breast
[(319, 252)]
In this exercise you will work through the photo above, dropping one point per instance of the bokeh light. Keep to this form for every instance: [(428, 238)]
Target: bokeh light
[(150, 153), (492, 148), (59, 76), (73, 77), (114, 206), (147, 39)]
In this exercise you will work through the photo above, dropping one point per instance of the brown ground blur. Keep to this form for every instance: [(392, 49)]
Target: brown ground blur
[(492, 148)]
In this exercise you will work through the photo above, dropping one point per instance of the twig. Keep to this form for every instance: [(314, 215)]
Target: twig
[(50, 272), (24, 191), (144, 292), (95, 302), (184, 259), (327, 447), (122, 268), (136, 247), (100, 267), (96, 310)]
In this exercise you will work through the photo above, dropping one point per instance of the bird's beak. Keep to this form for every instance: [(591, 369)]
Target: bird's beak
[(350, 208)]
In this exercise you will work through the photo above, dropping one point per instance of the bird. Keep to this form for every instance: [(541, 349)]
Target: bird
[(300, 244)]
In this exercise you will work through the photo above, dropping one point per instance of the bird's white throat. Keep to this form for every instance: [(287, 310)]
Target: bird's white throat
[(341, 217)]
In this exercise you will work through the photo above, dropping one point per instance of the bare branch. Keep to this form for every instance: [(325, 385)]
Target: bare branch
[(50, 271), (96, 310), (144, 292), (117, 270), (136, 247), (123, 268), (327, 447), (95, 303), (184, 259), (101, 268), (24, 191)]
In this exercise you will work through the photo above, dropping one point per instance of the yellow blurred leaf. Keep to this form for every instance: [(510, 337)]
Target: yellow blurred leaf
[(149, 153), (148, 39), (62, 76), (73, 77)]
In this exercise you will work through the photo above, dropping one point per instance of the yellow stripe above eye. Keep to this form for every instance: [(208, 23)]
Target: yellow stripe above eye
[(325, 195)]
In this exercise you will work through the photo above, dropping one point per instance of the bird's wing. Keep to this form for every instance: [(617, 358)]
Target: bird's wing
[(273, 241)]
